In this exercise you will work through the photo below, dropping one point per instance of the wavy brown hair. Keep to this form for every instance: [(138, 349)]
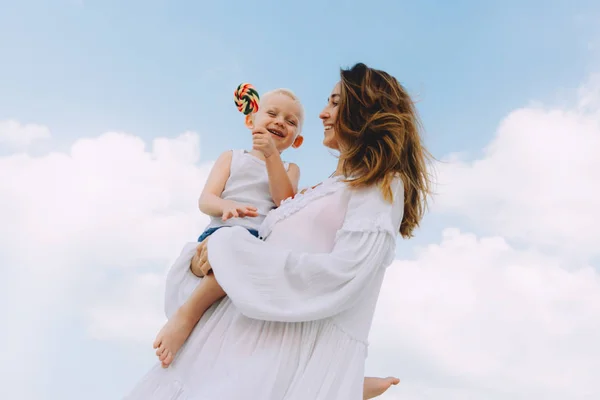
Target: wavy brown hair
[(379, 136)]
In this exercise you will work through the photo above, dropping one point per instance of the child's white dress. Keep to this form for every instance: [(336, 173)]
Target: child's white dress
[(300, 304), (248, 183)]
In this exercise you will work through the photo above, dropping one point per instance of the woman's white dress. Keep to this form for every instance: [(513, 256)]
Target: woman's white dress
[(300, 304)]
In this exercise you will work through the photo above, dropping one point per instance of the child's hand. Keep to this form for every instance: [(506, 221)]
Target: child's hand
[(237, 210), (263, 142)]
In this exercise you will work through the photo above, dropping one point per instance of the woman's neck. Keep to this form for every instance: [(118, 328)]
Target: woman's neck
[(339, 170)]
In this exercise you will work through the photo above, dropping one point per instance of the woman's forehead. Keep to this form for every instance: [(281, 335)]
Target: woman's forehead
[(337, 88)]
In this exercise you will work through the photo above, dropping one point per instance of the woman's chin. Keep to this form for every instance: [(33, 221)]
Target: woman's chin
[(330, 143)]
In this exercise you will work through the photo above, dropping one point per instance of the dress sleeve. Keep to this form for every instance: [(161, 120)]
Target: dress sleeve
[(269, 283)]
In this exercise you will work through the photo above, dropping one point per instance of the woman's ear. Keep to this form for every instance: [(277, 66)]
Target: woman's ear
[(298, 141), (249, 121)]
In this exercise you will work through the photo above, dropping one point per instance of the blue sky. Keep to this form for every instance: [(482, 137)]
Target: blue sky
[(158, 68)]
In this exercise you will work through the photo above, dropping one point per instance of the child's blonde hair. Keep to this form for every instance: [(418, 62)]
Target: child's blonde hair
[(292, 96)]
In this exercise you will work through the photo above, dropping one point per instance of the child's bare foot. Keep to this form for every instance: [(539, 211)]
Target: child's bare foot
[(172, 336), (374, 387)]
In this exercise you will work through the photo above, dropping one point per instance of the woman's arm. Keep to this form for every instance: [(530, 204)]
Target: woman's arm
[(270, 283)]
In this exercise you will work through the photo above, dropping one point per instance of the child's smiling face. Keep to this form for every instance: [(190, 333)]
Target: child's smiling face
[(280, 115)]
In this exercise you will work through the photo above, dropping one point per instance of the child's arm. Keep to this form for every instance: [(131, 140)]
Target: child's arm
[(282, 183), (210, 201)]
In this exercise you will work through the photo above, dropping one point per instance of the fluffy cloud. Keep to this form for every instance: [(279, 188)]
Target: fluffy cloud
[(16, 135), (108, 214), (539, 179), (108, 196), (129, 310), (481, 315), (513, 314)]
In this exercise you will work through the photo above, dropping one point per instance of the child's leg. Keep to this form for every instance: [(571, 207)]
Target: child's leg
[(374, 387), (176, 331)]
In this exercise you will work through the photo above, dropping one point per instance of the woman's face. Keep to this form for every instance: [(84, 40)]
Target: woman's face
[(329, 116)]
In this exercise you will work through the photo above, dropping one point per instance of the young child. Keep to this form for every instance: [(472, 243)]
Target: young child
[(242, 187)]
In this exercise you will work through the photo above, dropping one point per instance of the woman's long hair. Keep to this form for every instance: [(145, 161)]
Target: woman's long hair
[(379, 136)]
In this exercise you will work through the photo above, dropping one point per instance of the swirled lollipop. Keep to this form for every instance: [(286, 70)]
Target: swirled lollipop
[(246, 98)]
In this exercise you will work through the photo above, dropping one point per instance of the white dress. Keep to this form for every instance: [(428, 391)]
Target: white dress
[(295, 323)]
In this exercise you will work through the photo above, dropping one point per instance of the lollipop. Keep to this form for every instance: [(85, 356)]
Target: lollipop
[(246, 98)]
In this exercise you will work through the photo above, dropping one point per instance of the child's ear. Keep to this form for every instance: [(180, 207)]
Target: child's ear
[(249, 121), (298, 141)]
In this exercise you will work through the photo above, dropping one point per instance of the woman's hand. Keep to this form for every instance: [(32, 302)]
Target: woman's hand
[(200, 265)]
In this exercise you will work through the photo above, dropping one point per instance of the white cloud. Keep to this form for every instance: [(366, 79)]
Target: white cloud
[(107, 196), (589, 95), (78, 222), (131, 310), (478, 317), (16, 135), (490, 319), (538, 180)]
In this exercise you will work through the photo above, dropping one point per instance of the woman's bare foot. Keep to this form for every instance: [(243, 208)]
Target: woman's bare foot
[(374, 387), (172, 336)]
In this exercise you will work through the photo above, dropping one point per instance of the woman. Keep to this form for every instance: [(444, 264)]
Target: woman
[(299, 305)]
